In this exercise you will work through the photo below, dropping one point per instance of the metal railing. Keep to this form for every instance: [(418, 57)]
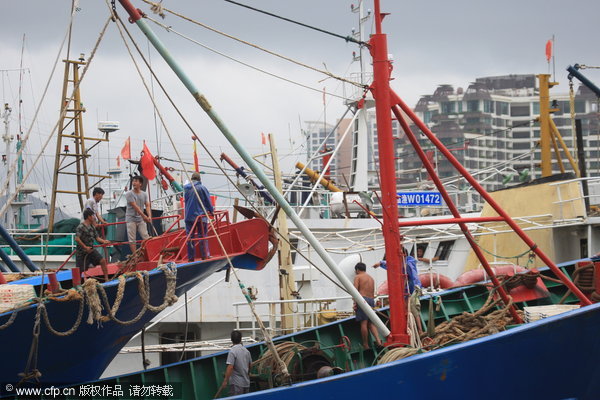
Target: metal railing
[(563, 202), (44, 242), (303, 313)]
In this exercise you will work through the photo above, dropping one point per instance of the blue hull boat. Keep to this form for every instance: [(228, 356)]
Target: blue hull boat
[(554, 358), (70, 350)]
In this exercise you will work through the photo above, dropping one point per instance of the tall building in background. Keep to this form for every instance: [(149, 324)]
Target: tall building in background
[(316, 132), (492, 129)]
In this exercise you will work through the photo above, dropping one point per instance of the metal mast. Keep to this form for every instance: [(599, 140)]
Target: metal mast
[(389, 198), (70, 164), (7, 138)]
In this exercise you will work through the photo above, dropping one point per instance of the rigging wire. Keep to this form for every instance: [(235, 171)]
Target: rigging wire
[(170, 29), (327, 73), (346, 38)]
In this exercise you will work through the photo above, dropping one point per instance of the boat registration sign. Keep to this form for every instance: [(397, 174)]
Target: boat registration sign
[(419, 199)]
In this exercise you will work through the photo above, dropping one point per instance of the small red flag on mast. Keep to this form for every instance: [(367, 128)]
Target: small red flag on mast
[(147, 163), (263, 138), (126, 150), (549, 50)]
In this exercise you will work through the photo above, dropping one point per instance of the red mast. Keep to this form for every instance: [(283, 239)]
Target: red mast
[(387, 166)]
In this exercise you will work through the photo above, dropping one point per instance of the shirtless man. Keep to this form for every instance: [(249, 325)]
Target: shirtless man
[(365, 285)]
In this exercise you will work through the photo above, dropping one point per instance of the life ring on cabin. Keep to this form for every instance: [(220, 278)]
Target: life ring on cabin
[(438, 280)]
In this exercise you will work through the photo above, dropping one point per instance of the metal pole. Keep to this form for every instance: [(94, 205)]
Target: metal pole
[(389, 199), (135, 17), (582, 167), (18, 250), (9, 263)]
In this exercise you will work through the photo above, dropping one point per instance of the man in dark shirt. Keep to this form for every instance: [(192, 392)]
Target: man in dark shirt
[(86, 234), (197, 200)]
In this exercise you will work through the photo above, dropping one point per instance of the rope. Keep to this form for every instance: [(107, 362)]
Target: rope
[(503, 257), (469, 326), (270, 362), (10, 321), (96, 292), (397, 353), (329, 74), (75, 326)]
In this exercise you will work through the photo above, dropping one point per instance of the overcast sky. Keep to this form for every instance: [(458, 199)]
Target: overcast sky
[(431, 42)]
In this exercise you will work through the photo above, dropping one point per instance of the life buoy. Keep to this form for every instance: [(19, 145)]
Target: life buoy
[(438, 280)]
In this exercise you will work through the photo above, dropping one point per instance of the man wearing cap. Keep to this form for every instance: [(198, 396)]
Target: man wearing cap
[(197, 205)]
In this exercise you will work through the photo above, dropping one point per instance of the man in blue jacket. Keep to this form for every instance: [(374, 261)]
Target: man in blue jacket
[(197, 204), (410, 266)]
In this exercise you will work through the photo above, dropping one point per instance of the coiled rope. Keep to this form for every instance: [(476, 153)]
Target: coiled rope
[(96, 295)]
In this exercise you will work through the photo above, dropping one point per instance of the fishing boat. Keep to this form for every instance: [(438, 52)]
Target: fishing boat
[(43, 330), (337, 367), (64, 329)]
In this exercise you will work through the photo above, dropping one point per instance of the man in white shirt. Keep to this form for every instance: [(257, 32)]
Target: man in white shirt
[(93, 204)]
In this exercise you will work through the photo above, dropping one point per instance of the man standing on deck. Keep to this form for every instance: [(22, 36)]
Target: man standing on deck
[(85, 254), (410, 267), (237, 374), (197, 204), (365, 285), (92, 204), (135, 218)]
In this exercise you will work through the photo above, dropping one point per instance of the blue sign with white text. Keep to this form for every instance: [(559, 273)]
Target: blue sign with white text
[(419, 199)]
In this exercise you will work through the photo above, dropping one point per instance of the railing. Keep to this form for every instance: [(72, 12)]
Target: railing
[(44, 241), (303, 313), (578, 200)]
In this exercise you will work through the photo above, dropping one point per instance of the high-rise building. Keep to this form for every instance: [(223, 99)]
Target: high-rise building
[(492, 129), (321, 140)]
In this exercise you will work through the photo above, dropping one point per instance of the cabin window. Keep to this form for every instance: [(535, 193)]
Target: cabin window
[(444, 249)]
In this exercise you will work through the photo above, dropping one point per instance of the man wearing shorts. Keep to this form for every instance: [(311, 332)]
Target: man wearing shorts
[(86, 234), (365, 285), (135, 218)]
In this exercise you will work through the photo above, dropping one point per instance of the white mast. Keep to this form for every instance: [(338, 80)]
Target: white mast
[(359, 178)]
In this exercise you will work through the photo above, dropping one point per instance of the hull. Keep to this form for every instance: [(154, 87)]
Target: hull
[(86, 353), (554, 358)]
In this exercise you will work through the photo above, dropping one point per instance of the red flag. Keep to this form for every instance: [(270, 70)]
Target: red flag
[(126, 150), (196, 165), (263, 138), (118, 162), (549, 50), (147, 163)]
